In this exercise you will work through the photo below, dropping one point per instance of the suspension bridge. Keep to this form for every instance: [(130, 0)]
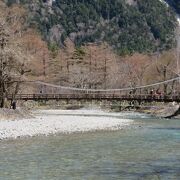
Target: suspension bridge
[(58, 92), (97, 96)]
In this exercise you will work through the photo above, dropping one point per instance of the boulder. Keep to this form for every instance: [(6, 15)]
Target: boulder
[(168, 111)]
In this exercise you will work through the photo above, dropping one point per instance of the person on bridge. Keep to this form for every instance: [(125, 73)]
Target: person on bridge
[(152, 92), (158, 93)]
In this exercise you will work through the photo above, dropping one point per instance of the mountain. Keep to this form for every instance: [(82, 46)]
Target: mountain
[(128, 26)]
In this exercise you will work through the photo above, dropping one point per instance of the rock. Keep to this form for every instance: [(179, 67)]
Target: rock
[(168, 111), (165, 111)]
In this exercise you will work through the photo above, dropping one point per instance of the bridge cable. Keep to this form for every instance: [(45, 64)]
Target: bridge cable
[(105, 90)]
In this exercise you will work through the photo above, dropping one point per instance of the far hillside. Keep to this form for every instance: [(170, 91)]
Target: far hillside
[(128, 26)]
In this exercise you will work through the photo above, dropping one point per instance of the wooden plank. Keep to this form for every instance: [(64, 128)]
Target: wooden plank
[(95, 96)]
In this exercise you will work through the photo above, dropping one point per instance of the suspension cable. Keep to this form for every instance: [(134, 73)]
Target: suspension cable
[(104, 90)]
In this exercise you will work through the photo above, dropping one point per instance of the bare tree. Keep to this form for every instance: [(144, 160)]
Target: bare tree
[(166, 69), (12, 66), (178, 50)]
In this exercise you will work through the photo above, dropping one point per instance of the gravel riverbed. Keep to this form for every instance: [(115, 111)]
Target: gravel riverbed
[(46, 122)]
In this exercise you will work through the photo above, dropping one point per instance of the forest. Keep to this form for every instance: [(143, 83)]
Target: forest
[(128, 26)]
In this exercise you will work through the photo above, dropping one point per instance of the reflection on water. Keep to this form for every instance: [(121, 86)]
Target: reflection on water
[(149, 152)]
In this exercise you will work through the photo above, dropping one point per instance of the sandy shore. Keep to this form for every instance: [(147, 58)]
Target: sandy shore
[(48, 122)]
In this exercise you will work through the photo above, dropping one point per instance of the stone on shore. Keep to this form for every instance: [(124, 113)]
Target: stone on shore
[(166, 111), (169, 111)]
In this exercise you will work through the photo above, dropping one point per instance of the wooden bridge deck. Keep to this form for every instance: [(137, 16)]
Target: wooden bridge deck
[(96, 96)]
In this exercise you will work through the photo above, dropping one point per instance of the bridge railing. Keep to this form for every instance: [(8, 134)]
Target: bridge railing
[(94, 96)]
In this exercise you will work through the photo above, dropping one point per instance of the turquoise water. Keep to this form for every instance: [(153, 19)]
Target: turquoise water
[(149, 151)]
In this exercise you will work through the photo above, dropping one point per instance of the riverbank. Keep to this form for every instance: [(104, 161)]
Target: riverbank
[(48, 122), (157, 109)]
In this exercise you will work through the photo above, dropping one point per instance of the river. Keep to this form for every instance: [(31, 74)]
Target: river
[(149, 150)]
